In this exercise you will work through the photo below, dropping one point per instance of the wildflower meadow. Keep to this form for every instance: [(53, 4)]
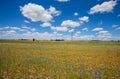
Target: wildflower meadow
[(59, 59)]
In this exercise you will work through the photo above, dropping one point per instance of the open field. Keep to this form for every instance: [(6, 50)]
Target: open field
[(59, 60)]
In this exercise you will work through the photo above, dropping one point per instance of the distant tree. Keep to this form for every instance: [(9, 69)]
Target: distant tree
[(59, 40), (33, 39), (118, 40)]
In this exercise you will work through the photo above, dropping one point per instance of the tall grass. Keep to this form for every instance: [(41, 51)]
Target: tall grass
[(59, 60)]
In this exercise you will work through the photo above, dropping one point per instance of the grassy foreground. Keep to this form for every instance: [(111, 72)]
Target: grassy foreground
[(59, 60)]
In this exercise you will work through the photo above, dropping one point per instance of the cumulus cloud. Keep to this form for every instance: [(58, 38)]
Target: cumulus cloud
[(37, 12), (64, 29), (33, 29), (38, 35), (11, 28), (103, 32), (57, 35), (7, 27), (52, 10), (97, 29), (30, 35), (46, 24), (24, 32), (107, 6), (118, 15), (26, 21), (63, 0), (27, 28), (77, 34), (100, 23), (72, 30), (14, 28), (84, 37), (87, 37), (118, 28), (70, 23), (103, 35), (114, 26), (1, 29), (84, 19), (10, 32), (75, 14), (85, 29)]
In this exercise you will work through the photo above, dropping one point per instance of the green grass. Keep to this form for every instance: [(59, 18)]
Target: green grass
[(59, 60)]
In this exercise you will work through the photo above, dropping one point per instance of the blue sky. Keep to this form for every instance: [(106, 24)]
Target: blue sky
[(60, 19)]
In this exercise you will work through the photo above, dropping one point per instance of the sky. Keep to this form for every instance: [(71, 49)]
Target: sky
[(60, 19)]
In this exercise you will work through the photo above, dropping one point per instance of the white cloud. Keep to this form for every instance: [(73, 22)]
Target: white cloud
[(37, 35), (84, 19), (63, 0), (97, 29), (70, 23), (26, 21), (10, 36), (33, 29), (118, 28), (31, 35), (1, 28), (7, 27), (15, 28), (52, 10), (118, 15), (64, 29), (83, 37), (38, 12), (85, 29), (103, 32), (46, 24), (10, 32), (23, 30), (87, 37), (103, 35), (26, 34), (75, 14), (57, 35), (77, 34), (11, 28), (107, 6), (100, 23), (25, 27), (114, 26), (72, 30)]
